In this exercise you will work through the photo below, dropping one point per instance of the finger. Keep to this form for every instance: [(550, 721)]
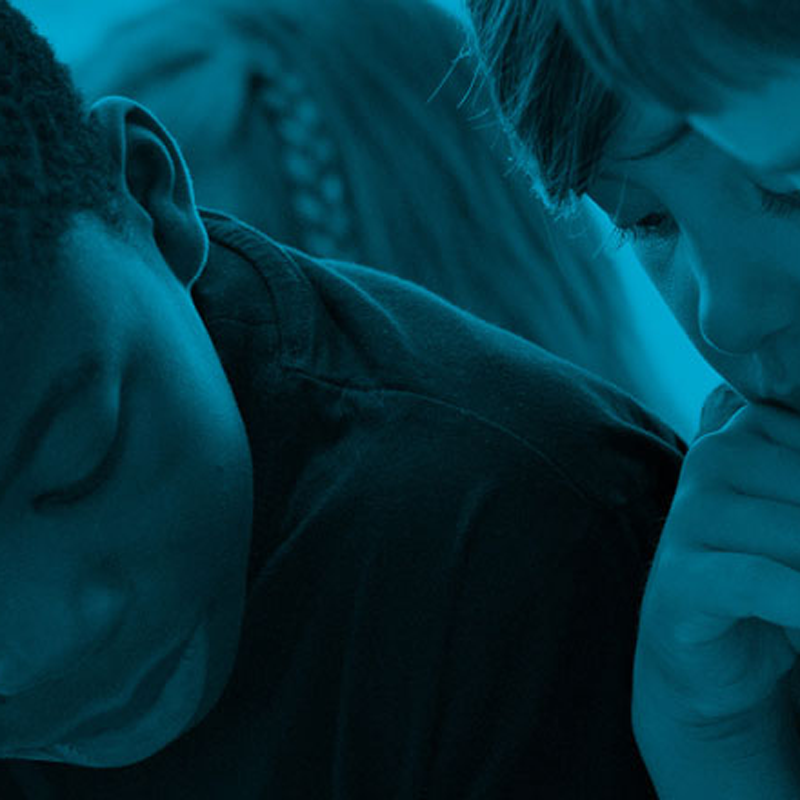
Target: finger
[(771, 422), (755, 527), (718, 625), (747, 462), (713, 590)]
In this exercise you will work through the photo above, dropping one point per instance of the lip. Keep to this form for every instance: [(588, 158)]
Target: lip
[(788, 400), (782, 394), (11, 694), (776, 385), (142, 699), (122, 743)]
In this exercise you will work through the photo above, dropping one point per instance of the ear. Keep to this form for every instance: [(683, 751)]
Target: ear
[(154, 177)]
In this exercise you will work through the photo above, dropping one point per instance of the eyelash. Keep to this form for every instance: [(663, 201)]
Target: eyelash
[(641, 230), (71, 494), (780, 204), (92, 482)]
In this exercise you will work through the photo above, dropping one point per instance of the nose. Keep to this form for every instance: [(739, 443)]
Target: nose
[(735, 324), (742, 302)]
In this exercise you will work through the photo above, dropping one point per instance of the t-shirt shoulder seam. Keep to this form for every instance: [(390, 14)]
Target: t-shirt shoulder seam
[(582, 492), (252, 246)]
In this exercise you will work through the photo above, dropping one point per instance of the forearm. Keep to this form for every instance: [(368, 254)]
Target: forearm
[(761, 763)]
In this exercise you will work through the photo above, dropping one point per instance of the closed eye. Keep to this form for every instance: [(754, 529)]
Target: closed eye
[(781, 204), (659, 225), (655, 225), (94, 481)]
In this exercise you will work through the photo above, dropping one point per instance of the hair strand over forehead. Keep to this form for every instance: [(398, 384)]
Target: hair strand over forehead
[(558, 115)]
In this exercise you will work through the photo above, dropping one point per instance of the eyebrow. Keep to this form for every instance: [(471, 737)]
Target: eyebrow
[(68, 387), (665, 144)]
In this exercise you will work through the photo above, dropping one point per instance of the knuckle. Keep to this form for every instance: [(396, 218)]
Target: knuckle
[(716, 463), (714, 446)]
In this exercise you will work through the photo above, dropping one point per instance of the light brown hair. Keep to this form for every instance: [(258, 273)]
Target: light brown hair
[(550, 64), (557, 113), (681, 53)]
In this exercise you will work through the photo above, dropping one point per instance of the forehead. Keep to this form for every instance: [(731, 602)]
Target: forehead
[(23, 282), (760, 128), (642, 129), (35, 252)]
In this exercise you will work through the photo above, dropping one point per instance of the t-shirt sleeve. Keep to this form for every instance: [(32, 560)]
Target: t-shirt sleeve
[(491, 638), (537, 695)]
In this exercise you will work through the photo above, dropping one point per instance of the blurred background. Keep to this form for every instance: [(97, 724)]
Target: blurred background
[(73, 26), (650, 357)]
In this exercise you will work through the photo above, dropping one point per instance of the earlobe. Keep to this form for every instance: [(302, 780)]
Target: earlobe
[(154, 174)]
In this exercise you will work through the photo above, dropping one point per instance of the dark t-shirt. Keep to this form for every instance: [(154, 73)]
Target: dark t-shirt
[(451, 535)]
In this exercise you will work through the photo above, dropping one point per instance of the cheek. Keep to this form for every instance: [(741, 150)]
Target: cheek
[(668, 271), (677, 284), (675, 281)]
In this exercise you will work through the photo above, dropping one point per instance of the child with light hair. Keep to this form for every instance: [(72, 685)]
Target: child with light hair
[(681, 121)]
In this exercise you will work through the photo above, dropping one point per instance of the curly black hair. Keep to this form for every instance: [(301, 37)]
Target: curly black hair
[(53, 163)]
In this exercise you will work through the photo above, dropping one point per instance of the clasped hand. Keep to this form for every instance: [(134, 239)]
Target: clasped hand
[(719, 629)]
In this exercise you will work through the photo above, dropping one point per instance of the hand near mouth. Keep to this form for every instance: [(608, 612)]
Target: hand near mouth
[(718, 636)]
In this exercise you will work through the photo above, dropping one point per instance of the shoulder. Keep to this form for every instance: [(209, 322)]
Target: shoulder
[(378, 348)]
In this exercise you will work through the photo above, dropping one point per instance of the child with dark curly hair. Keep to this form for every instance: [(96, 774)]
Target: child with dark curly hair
[(278, 526)]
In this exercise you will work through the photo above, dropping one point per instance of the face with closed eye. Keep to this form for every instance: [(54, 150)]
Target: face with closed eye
[(720, 241), (121, 600)]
